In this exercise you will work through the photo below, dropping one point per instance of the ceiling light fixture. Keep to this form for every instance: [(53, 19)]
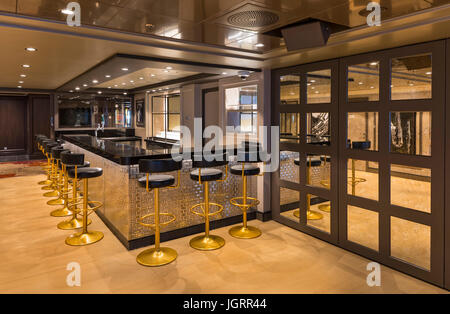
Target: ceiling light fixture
[(77, 88), (125, 93), (124, 69), (259, 45), (23, 75), (30, 49), (26, 66), (428, 73), (107, 76), (131, 81), (313, 81), (152, 75), (373, 63), (21, 82), (166, 71), (95, 81), (360, 83), (19, 86), (224, 73), (85, 85), (141, 78), (169, 68), (99, 92)]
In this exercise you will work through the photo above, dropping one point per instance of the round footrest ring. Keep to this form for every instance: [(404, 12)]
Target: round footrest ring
[(251, 202), (93, 206), (142, 223), (357, 180), (202, 214)]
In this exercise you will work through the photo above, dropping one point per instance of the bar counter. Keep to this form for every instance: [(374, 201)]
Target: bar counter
[(125, 201)]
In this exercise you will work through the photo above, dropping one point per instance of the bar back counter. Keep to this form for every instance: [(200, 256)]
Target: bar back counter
[(126, 201)]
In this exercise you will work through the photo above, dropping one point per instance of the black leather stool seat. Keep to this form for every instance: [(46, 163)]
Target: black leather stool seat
[(159, 165), (157, 181), (56, 151), (327, 159), (86, 173), (361, 145), (315, 162), (249, 170), (49, 146), (69, 158), (207, 174), (70, 167)]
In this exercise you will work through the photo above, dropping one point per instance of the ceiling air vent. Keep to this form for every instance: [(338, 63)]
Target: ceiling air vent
[(253, 19)]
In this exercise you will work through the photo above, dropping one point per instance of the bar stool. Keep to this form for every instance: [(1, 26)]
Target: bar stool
[(158, 256), (326, 183), (72, 162), (205, 174), (244, 202), (47, 167), (363, 145), (56, 154), (86, 237), (310, 214), (53, 171)]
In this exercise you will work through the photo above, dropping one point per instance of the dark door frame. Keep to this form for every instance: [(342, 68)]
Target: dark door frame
[(447, 169)]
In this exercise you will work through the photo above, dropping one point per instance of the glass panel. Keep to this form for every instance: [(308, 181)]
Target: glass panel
[(242, 109), (290, 89), (362, 178), (290, 204), (411, 187), (364, 82), (411, 133), (158, 104), (289, 127), (362, 130), (159, 129), (289, 170), (318, 215), (411, 242), (318, 128), (411, 77), (319, 87), (318, 171), (362, 227), (174, 104)]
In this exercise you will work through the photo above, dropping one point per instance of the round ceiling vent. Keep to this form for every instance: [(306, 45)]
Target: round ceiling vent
[(253, 19)]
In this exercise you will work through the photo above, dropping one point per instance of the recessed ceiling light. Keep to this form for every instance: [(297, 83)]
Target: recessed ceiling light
[(19, 86), (67, 12), (131, 81), (124, 84), (259, 45), (141, 78), (313, 81), (26, 66), (360, 83), (152, 75), (313, 87), (160, 89), (109, 87), (116, 85), (166, 71), (374, 63), (125, 93), (224, 73), (154, 90), (30, 49), (95, 81), (21, 82), (85, 85), (99, 92), (169, 68), (372, 87), (309, 84), (23, 75), (428, 73), (77, 88), (71, 91), (411, 84), (317, 92), (124, 69), (107, 76)]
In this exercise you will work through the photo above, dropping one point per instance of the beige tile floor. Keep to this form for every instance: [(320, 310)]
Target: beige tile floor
[(282, 260)]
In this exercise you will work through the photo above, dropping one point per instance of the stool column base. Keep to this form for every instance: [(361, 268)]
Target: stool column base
[(157, 257), (207, 243), (82, 239)]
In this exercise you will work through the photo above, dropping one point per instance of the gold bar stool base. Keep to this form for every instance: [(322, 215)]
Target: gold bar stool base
[(47, 188), (325, 208), (52, 193), (207, 243), (46, 182), (154, 257), (55, 202), (72, 224), (310, 215), (62, 212), (82, 239), (242, 232)]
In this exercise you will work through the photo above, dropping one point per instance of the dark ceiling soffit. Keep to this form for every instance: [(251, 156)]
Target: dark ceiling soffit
[(121, 55), (172, 82), (134, 42), (25, 90), (209, 65)]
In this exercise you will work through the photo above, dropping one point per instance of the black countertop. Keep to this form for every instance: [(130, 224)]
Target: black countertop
[(116, 151)]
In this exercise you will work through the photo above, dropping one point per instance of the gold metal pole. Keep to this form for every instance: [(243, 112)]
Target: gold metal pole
[(244, 182), (157, 226), (85, 205), (206, 192)]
